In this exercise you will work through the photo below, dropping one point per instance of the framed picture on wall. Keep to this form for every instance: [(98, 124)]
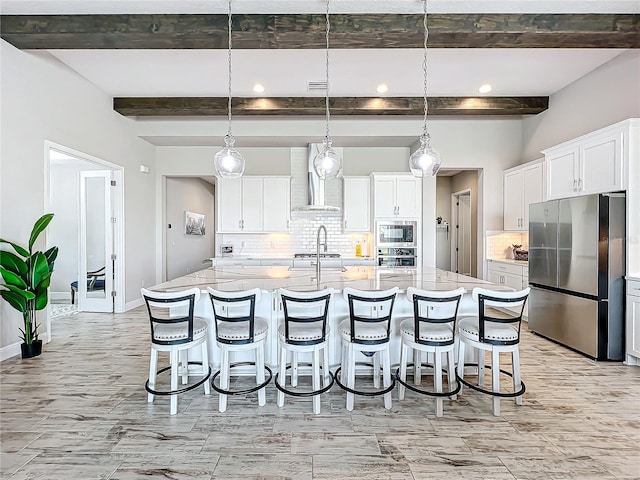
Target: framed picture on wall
[(193, 223)]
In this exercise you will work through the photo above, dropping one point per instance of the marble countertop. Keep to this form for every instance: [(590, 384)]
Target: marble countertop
[(233, 278), (524, 263)]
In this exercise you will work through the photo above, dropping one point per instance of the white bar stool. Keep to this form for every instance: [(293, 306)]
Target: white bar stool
[(175, 329), (432, 329), (304, 329), (367, 330), (494, 330), (239, 330)]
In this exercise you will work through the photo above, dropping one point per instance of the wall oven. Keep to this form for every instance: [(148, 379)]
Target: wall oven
[(396, 243)]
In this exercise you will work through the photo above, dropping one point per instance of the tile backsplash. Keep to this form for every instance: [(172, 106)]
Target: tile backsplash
[(300, 239), (498, 244)]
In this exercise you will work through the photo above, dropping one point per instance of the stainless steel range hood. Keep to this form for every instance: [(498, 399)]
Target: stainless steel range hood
[(316, 197)]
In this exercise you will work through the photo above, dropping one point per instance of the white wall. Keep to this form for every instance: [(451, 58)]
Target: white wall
[(43, 101), (185, 253), (443, 209), (605, 96)]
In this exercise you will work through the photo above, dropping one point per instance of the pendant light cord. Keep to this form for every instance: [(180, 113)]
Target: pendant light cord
[(424, 70), (229, 63), (326, 102)]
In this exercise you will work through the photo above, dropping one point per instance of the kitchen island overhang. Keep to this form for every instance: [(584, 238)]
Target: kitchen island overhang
[(270, 278)]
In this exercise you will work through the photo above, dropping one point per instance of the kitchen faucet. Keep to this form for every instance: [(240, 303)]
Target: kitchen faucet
[(321, 227)]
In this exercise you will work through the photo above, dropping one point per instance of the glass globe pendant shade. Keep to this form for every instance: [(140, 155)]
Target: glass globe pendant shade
[(229, 162), (327, 163), (425, 161)]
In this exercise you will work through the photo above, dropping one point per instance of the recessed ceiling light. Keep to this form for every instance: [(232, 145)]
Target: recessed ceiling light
[(258, 88), (486, 88), (382, 88)]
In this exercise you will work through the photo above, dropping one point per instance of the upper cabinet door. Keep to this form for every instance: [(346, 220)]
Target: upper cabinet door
[(512, 203), (408, 197), (229, 201), (356, 206), (601, 164), (385, 197), (277, 204), (532, 190), (252, 207), (562, 168)]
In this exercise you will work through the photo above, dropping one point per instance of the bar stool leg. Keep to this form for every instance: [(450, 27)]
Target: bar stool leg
[(205, 367), (451, 375), (386, 375), (153, 368), (495, 380), (417, 367), (403, 370), (316, 379), (184, 366), (282, 376), (480, 367), (461, 348), (376, 370), (260, 373), (325, 366), (515, 368), (224, 379), (174, 380), (351, 376), (437, 381), (294, 369)]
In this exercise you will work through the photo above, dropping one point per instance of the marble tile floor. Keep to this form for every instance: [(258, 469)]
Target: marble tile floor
[(80, 412)]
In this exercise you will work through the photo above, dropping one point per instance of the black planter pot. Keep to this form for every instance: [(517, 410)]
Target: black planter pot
[(32, 350)]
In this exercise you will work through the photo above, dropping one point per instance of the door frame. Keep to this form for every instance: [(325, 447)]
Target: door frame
[(455, 221), (118, 212)]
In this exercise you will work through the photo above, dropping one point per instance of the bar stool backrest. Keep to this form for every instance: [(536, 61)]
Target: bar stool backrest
[(235, 307), (492, 307), (308, 308), (369, 307), (174, 309), (434, 307)]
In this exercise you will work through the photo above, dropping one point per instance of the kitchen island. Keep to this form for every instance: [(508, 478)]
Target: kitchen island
[(269, 279)]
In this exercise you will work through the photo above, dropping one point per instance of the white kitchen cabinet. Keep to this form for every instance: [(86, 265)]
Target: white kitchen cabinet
[(633, 322), (398, 196), (523, 185), (277, 204), (357, 204), (509, 274), (253, 204), (592, 163)]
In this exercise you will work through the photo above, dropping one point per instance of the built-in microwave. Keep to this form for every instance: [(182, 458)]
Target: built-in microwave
[(396, 234)]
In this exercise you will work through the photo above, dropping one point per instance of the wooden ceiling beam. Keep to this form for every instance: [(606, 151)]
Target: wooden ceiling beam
[(282, 31), (303, 106)]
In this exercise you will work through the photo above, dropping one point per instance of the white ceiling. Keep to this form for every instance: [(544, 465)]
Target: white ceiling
[(452, 72)]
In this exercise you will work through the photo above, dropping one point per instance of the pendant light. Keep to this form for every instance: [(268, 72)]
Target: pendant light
[(425, 161), (327, 163), (228, 162)]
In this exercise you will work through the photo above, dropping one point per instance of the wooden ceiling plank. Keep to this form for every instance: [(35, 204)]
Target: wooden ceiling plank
[(281, 31), (304, 106)]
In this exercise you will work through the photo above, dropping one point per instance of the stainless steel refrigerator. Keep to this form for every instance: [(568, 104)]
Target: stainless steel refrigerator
[(576, 270)]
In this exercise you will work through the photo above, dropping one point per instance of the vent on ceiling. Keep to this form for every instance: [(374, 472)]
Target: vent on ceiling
[(321, 85)]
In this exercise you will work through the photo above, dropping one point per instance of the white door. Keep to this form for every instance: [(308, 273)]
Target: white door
[(384, 201), (229, 193), (408, 196), (276, 203), (356, 204), (532, 187), (252, 207), (561, 174), (96, 247), (463, 234), (513, 200)]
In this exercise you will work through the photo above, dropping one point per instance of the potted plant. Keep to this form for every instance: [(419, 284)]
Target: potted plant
[(27, 276)]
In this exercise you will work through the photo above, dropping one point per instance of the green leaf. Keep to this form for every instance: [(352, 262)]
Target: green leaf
[(15, 300), (27, 294), (38, 227), (13, 263), (39, 269), (11, 278), (51, 255), (42, 299), (16, 247)]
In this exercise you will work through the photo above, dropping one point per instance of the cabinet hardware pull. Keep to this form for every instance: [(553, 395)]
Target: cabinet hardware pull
[(575, 185), (579, 184)]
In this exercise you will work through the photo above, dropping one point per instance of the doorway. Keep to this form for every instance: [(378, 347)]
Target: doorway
[(85, 194), (461, 253)]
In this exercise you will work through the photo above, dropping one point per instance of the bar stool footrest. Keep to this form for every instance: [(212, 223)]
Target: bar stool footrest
[(180, 390), (243, 391), (313, 393), (490, 392), (422, 391), (363, 393)]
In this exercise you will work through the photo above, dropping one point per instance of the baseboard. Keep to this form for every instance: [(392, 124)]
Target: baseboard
[(10, 351), (134, 304), (60, 296)]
